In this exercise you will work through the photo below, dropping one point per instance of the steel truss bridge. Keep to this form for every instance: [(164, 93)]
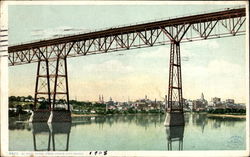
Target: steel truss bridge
[(51, 55)]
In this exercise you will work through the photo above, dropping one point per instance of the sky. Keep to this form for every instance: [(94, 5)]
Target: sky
[(215, 67)]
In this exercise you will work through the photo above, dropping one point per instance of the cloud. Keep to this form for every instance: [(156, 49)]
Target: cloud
[(159, 52), (218, 78), (197, 48), (224, 68), (210, 44), (110, 66), (220, 68), (163, 53), (56, 32)]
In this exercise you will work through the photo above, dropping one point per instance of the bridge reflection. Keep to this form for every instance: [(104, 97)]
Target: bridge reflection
[(44, 134), (175, 136), (56, 136)]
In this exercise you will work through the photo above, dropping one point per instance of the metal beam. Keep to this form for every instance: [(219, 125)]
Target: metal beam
[(131, 37)]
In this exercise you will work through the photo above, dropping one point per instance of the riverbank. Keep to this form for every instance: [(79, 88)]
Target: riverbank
[(226, 115), (94, 115), (208, 115), (83, 115)]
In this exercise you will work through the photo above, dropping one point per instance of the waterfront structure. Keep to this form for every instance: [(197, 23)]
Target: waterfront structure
[(51, 55)]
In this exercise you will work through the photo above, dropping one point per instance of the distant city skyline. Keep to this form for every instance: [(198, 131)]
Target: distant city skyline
[(102, 98), (215, 67)]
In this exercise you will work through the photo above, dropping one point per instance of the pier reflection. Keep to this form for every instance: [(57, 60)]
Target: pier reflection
[(175, 136), (56, 133)]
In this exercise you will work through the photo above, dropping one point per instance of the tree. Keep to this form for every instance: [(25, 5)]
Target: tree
[(18, 98), (29, 97), (12, 98), (43, 105)]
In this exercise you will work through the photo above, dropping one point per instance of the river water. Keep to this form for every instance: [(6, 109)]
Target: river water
[(129, 133)]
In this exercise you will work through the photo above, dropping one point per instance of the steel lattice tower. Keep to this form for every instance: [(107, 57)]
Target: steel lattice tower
[(175, 100)]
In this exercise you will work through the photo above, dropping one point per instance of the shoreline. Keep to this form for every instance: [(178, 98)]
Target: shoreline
[(94, 115), (83, 115), (208, 115), (226, 115)]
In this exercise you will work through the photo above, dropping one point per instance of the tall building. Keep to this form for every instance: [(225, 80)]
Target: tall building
[(202, 97), (199, 104), (110, 102), (101, 99)]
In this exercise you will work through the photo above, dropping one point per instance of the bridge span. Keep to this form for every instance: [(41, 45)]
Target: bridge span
[(51, 55)]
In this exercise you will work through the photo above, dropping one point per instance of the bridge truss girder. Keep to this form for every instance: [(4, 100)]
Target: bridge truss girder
[(131, 40), (173, 31)]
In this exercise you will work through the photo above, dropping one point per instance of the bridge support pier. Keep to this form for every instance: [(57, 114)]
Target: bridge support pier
[(59, 116), (51, 91), (175, 116), (174, 119)]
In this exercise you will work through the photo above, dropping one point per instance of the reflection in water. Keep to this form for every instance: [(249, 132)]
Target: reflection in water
[(175, 135), (108, 133), (200, 120), (145, 120), (43, 133)]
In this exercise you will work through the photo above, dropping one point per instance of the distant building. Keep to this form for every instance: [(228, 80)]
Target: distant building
[(217, 103), (188, 104), (41, 99), (101, 100), (65, 106), (202, 97), (146, 104), (230, 101), (216, 100), (112, 107), (28, 100), (165, 102), (198, 105), (110, 102)]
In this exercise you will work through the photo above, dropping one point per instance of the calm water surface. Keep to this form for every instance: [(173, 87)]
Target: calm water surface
[(129, 132)]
